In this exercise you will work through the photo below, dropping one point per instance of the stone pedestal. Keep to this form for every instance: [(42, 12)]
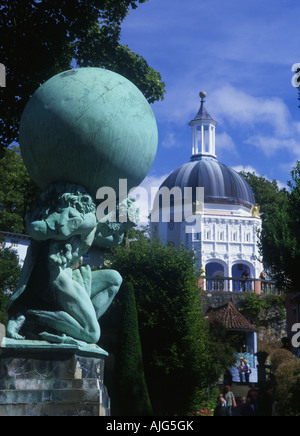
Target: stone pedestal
[(53, 383)]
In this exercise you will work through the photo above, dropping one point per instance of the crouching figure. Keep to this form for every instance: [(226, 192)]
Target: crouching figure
[(58, 300)]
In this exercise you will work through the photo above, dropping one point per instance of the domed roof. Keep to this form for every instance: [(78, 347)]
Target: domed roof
[(222, 185)]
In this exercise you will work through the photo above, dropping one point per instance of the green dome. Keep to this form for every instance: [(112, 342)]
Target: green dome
[(91, 127)]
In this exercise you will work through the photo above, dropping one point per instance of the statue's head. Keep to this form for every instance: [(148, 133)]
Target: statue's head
[(60, 196)]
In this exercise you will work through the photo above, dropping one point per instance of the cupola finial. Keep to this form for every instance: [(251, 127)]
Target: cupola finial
[(203, 96)]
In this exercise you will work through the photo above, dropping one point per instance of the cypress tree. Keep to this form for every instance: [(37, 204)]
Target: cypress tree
[(131, 393)]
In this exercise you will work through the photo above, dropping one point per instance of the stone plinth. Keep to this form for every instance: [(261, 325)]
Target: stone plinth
[(52, 384)]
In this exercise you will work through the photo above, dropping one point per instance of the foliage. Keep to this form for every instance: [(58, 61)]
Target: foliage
[(174, 335), (223, 350), (17, 192), (268, 195), (288, 388), (205, 402), (293, 261), (131, 394), (283, 370), (263, 309), (286, 370), (39, 39), (9, 276)]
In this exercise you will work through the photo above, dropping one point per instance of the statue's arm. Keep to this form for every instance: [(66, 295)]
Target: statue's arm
[(109, 241), (111, 229)]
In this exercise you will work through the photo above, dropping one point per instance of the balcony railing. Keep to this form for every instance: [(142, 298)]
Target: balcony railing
[(232, 284)]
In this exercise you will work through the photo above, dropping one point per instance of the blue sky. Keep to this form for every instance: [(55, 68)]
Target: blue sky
[(241, 53)]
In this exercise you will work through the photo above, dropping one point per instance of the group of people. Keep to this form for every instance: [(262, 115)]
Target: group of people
[(244, 371), (226, 403), (246, 285), (248, 406)]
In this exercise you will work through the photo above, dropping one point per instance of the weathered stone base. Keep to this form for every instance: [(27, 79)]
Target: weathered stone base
[(61, 384)]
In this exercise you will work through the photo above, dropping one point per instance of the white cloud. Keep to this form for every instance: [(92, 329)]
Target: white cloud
[(269, 145), (171, 141), (297, 127), (238, 107), (180, 103), (226, 104), (225, 142), (270, 119)]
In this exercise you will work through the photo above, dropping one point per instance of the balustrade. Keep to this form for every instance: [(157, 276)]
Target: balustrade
[(233, 284)]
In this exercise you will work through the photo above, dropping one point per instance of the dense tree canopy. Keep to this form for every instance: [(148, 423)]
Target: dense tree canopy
[(41, 38), (17, 192), (9, 276)]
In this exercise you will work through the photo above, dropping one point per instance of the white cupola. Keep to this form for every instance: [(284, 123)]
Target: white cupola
[(204, 135)]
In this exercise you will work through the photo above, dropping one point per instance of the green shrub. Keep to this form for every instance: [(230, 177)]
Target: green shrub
[(288, 388)]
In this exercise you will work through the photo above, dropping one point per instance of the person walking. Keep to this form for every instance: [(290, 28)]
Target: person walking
[(247, 408), (253, 394), (221, 409), (230, 399)]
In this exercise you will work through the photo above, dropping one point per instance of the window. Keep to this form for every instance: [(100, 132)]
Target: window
[(234, 236), (197, 236), (206, 139), (248, 237), (208, 235)]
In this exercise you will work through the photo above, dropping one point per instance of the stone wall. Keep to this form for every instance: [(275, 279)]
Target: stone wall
[(52, 385), (218, 299)]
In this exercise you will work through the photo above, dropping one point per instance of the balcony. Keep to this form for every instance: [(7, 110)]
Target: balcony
[(232, 284)]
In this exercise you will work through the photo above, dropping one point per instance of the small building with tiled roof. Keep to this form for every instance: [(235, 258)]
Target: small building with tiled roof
[(230, 318)]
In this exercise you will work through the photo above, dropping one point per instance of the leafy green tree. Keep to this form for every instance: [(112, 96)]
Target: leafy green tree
[(292, 260), (17, 192), (174, 335), (268, 195), (131, 393), (9, 276), (41, 38)]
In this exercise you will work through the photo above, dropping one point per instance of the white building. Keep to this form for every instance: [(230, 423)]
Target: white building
[(18, 243), (225, 238)]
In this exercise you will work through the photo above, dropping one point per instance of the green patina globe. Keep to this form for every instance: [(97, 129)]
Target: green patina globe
[(91, 127)]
